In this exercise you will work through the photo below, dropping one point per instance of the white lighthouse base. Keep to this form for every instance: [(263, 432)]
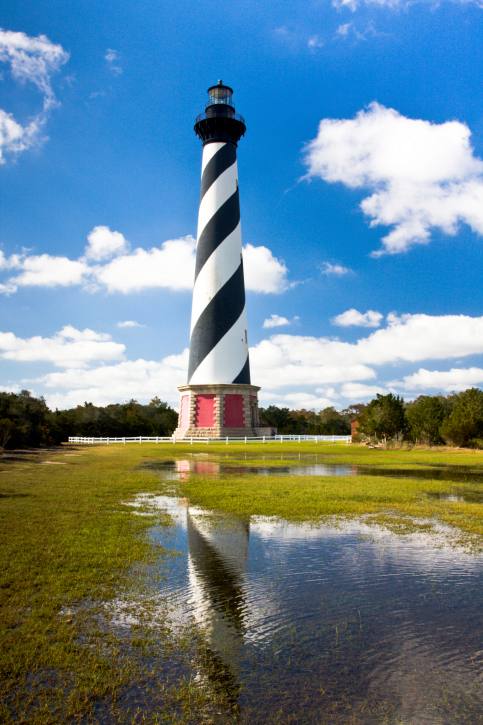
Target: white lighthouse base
[(219, 411)]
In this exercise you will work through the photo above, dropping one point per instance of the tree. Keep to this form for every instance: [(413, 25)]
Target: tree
[(7, 428), (384, 417), (278, 418), (306, 422), (465, 423), (354, 411), (24, 420), (331, 422), (425, 416)]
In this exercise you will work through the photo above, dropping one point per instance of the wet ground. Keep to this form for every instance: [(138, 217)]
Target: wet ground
[(324, 623), (181, 469), (27, 455)]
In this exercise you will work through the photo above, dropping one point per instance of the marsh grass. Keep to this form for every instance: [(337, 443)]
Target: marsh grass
[(396, 501), (305, 498), (279, 454), (69, 546)]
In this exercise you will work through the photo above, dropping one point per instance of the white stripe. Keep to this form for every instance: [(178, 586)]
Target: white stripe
[(216, 271), (224, 362), (219, 192), (209, 150)]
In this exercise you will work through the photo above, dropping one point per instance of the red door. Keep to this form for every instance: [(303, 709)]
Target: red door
[(233, 417), (205, 411)]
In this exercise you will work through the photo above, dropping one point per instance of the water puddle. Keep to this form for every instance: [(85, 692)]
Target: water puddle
[(457, 496), (333, 623), (182, 469)]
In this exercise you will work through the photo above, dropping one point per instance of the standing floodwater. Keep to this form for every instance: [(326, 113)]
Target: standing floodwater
[(326, 624)]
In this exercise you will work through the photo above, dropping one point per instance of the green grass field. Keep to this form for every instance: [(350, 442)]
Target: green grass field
[(68, 545)]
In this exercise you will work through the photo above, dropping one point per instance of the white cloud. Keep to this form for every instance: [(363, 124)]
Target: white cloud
[(353, 317), (31, 60), (7, 288), (11, 262), (69, 347), (296, 400), (314, 42), (126, 324), (45, 270), (8, 263), (350, 30), (170, 266), (14, 137), (349, 4), (354, 5), (113, 58), (109, 264), (343, 30), (360, 391), (263, 272), (446, 381), (422, 337), (103, 243), (275, 366), (337, 270), (295, 360), (10, 388), (286, 35), (293, 370), (139, 379), (69, 332), (281, 30), (275, 321), (421, 175)]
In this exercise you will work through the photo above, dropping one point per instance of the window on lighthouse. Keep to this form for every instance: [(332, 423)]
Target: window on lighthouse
[(220, 94)]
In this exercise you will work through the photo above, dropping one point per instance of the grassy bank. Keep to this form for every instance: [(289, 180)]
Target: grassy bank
[(68, 545)]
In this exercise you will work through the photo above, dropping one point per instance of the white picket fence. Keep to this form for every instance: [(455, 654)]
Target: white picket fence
[(261, 439)]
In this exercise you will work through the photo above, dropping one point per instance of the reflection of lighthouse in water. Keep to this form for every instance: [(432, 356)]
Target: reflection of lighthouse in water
[(217, 558)]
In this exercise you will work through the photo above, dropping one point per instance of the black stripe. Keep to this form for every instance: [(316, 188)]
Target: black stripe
[(219, 316), (243, 377), (221, 224), (224, 584), (219, 162)]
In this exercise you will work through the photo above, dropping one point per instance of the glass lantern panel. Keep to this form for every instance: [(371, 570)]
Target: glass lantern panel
[(220, 94)]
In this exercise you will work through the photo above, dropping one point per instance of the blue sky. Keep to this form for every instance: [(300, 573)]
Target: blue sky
[(361, 181)]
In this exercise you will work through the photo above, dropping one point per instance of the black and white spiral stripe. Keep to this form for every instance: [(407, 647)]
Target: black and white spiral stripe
[(218, 345)]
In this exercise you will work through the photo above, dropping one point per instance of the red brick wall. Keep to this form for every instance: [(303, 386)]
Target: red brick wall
[(184, 412), (233, 413), (205, 411)]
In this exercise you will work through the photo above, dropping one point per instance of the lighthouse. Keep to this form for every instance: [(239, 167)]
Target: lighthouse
[(219, 399)]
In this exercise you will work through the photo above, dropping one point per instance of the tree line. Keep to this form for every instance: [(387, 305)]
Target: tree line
[(307, 422), (27, 422), (457, 419)]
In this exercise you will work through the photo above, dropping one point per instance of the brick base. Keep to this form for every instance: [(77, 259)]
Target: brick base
[(223, 433), (189, 425)]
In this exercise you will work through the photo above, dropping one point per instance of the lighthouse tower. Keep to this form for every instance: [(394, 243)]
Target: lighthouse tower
[(219, 399)]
